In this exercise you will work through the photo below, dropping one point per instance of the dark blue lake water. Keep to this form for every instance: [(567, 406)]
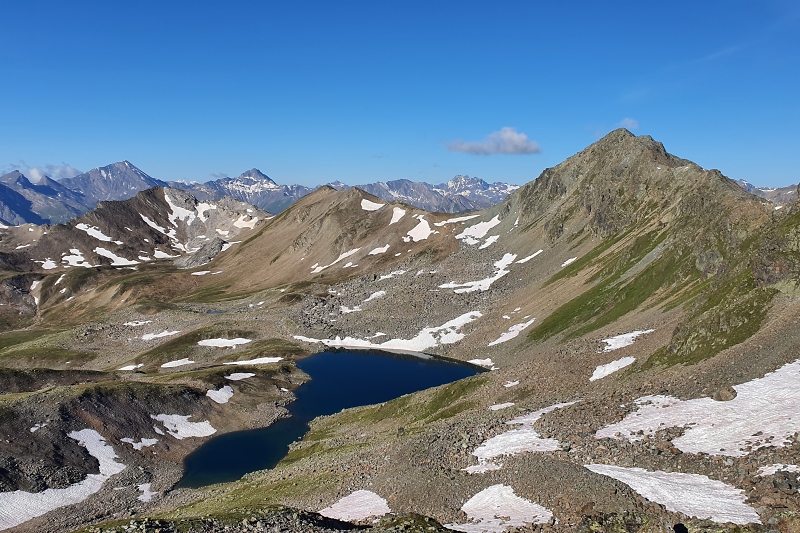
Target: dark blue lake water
[(338, 380)]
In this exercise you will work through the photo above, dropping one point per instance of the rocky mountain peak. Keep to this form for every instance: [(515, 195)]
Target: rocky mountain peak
[(255, 175)]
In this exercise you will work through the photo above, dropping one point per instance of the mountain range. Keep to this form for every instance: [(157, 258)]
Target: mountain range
[(635, 314), (56, 202)]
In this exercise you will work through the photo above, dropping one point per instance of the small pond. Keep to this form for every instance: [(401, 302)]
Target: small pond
[(339, 380)]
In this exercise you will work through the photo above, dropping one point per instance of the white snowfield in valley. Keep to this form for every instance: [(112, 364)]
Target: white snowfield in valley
[(488, 363), (256, 361), (20, 506), (621, 341), (316, 268), (165, 333), (222, 395), (483, 284), (179, 426), (132, 367), (359, 505), (609, 368), (515, 441), (447, 333), (368, 205), (224, 343), (765, 412), (512, 332), (179, 362), (497, 508), (568, 261), (500, 406), (690, 494)]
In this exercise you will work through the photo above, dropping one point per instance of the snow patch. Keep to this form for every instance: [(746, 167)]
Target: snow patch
[(609, 368), (454, 220), (19, 506), (146, 495), (381, 250), (512, 332), (222, 395), (482, 362), (421, 231), (201, 273), (765, 412), (489, 241), (392, 274), (509, 384), (769, 470), (165, 333), (359, 505), (479, 230), (568, 261), (132, 367), (115, 259), (526, 259), (242, 222), (76, 259), (621, 341), (447, 333), (345, 255), (516, 441), (483, 284), (499, 406), (224, 343), (497, 508), (95, 232), (143, 443), (180, 362), (179, 426), (375, 296), (690, 494), (367, 205), (397, 214), (158, 254), (137, 323), (238, 376), (258, 361)]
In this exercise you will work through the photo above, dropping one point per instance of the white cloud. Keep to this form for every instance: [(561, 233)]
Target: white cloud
[(506, 141), (36, 173), (628, 123)]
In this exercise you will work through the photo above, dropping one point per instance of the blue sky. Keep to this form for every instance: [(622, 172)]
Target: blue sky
[(312, 92)]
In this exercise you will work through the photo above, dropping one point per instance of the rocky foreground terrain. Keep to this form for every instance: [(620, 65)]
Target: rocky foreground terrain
[(637, 316)]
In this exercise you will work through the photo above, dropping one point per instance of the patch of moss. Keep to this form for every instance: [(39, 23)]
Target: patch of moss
[(13, 338), (730, 314), (609, 299), (45, 356)]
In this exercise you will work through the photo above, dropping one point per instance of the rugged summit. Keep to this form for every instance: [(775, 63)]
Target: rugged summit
[(637, 312), (47, 201)]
